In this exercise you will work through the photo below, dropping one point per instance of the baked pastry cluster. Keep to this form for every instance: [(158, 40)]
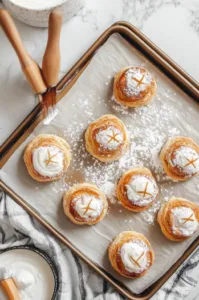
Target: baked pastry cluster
[(131, 254), (134, 86), (106, 138), (178, 219), (47, 158), (85, 204)]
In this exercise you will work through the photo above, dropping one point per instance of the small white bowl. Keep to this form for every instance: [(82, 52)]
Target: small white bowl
[(36, 12)]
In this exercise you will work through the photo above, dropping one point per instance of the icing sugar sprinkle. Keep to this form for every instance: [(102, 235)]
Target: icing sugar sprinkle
[(136, 81), (184, 221), (110, 138), (148, 129), (186, 159)]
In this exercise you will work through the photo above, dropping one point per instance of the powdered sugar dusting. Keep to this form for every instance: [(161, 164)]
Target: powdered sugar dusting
[(184, 221), (186, 159), (148, 129), (109, 190), (136, 81), (141, 190), (110, 138)]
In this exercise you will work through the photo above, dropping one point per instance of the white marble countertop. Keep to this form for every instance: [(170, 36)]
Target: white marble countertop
[(172, 24)]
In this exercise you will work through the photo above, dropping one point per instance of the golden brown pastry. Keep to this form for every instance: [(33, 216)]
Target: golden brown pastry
[(134, 86), (137, 189), (106, 138), (178, 219), (85, 204), (131, 254), (180, 158), (47, 157)]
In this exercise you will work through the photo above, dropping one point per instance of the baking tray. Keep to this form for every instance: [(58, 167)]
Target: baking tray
[(140, 42)]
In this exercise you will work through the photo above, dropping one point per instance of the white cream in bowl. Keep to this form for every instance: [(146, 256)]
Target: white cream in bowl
[(31, 272)]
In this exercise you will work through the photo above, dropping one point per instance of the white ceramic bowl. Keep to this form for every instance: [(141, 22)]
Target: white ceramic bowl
[(36, 12)]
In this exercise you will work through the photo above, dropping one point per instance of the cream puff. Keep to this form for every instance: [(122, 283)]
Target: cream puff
[(131, 254), (85, 204), (178, 219), (180, 158), (134, 86), (47, 157), (106, 138), (137, 189)]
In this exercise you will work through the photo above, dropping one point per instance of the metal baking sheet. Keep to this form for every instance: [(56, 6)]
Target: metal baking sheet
[(99, 79)]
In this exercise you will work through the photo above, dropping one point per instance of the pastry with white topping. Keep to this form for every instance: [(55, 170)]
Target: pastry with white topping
[(85, 204), (131, 254), (134, 86), (178, 219), (137, 189), (106, 138), (180, 158), (47, 157)]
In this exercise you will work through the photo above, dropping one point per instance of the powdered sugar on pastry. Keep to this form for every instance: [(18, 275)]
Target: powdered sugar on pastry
[(141, 190), (88, 206), (110, 138), (48, 161), (186, 159), (137, 81), (184, 221), (134, 256)]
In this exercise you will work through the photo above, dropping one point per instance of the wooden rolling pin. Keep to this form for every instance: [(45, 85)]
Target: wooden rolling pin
[(10, 289), (51, 59), (29, 66)]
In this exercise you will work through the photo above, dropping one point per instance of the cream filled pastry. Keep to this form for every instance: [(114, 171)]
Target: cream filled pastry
[(131, 254), (134, 86), (110, 138), (184, 221), (85, 204), (47, 157), (137, 189), (134, 256), (180, 158), (178, 219), (106, 138), (186, 160), (48, 161)]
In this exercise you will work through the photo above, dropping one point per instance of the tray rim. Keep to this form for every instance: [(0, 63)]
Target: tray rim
[(63, 87)]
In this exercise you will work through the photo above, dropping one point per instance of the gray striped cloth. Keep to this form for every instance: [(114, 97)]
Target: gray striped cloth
[(76, 280)]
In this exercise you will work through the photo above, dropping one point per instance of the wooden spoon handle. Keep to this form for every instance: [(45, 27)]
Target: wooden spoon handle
[(10, 289), (51, 59), (29, 66)]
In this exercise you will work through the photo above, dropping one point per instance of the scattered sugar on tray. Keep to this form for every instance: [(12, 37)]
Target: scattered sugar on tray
[(109, 190), (148, 128), (119, 107)]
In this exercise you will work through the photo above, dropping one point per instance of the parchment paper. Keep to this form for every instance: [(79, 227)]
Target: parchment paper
[(170, 113)]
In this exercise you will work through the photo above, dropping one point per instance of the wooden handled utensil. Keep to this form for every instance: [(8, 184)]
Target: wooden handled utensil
[(10, 289), (51, 64), (51, 59), (29, 66)]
